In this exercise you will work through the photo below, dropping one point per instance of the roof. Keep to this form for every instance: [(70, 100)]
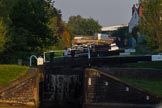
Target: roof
[(112, 28)]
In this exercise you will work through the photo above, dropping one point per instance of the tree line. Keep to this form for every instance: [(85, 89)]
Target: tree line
[(151, 23), (33, 26), (28, 27)]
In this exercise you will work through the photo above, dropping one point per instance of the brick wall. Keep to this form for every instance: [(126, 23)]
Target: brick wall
[(103, 88)]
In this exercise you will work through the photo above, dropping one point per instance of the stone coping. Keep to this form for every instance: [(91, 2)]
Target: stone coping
[(6, 105), (32, 72)]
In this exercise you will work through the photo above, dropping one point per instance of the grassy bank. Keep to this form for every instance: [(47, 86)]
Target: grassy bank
[(152, 85), (9, 73), (154, 65)]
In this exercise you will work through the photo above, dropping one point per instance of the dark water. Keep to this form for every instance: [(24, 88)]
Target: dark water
[(61, 91)]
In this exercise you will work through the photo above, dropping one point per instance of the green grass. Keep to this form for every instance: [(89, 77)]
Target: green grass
[(152, 85), (154, 65), (9, 73)]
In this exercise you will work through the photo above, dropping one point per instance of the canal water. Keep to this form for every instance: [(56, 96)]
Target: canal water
[(61, 91)]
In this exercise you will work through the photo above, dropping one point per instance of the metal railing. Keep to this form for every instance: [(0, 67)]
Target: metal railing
[(31, 57), (48, 56)]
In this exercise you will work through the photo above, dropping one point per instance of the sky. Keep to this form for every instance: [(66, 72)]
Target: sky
[(106, 12)]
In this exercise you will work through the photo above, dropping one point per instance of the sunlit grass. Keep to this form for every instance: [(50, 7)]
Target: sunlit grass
[(152, 85), (9, 73)]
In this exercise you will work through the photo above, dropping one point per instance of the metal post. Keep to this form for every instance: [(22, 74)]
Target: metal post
[(89, 53), (44, 56), (31, 59), (89, 57), (52, 56)]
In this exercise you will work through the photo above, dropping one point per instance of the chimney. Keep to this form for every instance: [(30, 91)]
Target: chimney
[(133, 9), (140, 11)]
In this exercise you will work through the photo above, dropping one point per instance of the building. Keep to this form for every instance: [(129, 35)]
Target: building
[(136, 14), (108, 30)]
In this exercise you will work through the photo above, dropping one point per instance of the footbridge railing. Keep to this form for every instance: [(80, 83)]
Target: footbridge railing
[(88, 58)]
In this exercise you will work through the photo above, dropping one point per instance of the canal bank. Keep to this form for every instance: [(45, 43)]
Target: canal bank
[(86, 87), (145, 78), (77, 88), (23, 91)]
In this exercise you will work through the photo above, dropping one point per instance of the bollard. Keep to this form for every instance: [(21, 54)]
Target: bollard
[(72, 53), (52, 54)]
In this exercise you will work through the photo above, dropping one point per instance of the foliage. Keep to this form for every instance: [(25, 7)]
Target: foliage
[(27, 35), (9, 73), (3, 34), (83, 26), (64, 41), (31, 26), (135, 32), (5, 7), (121, 32), (142, 49), (151, 23), (121, 35)]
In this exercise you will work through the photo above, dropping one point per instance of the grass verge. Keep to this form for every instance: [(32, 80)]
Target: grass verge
[(153, 64), (9, 73), (152, 85)]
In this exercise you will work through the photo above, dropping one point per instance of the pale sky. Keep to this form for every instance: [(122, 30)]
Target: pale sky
[(106, 12)]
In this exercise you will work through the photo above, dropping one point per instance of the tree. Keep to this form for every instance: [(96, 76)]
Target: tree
[(32, 26), (36, 22), (5, 7), (29, 29), (83, 26), (151, 23), (121, 32), (92, 26), (3, 35)]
